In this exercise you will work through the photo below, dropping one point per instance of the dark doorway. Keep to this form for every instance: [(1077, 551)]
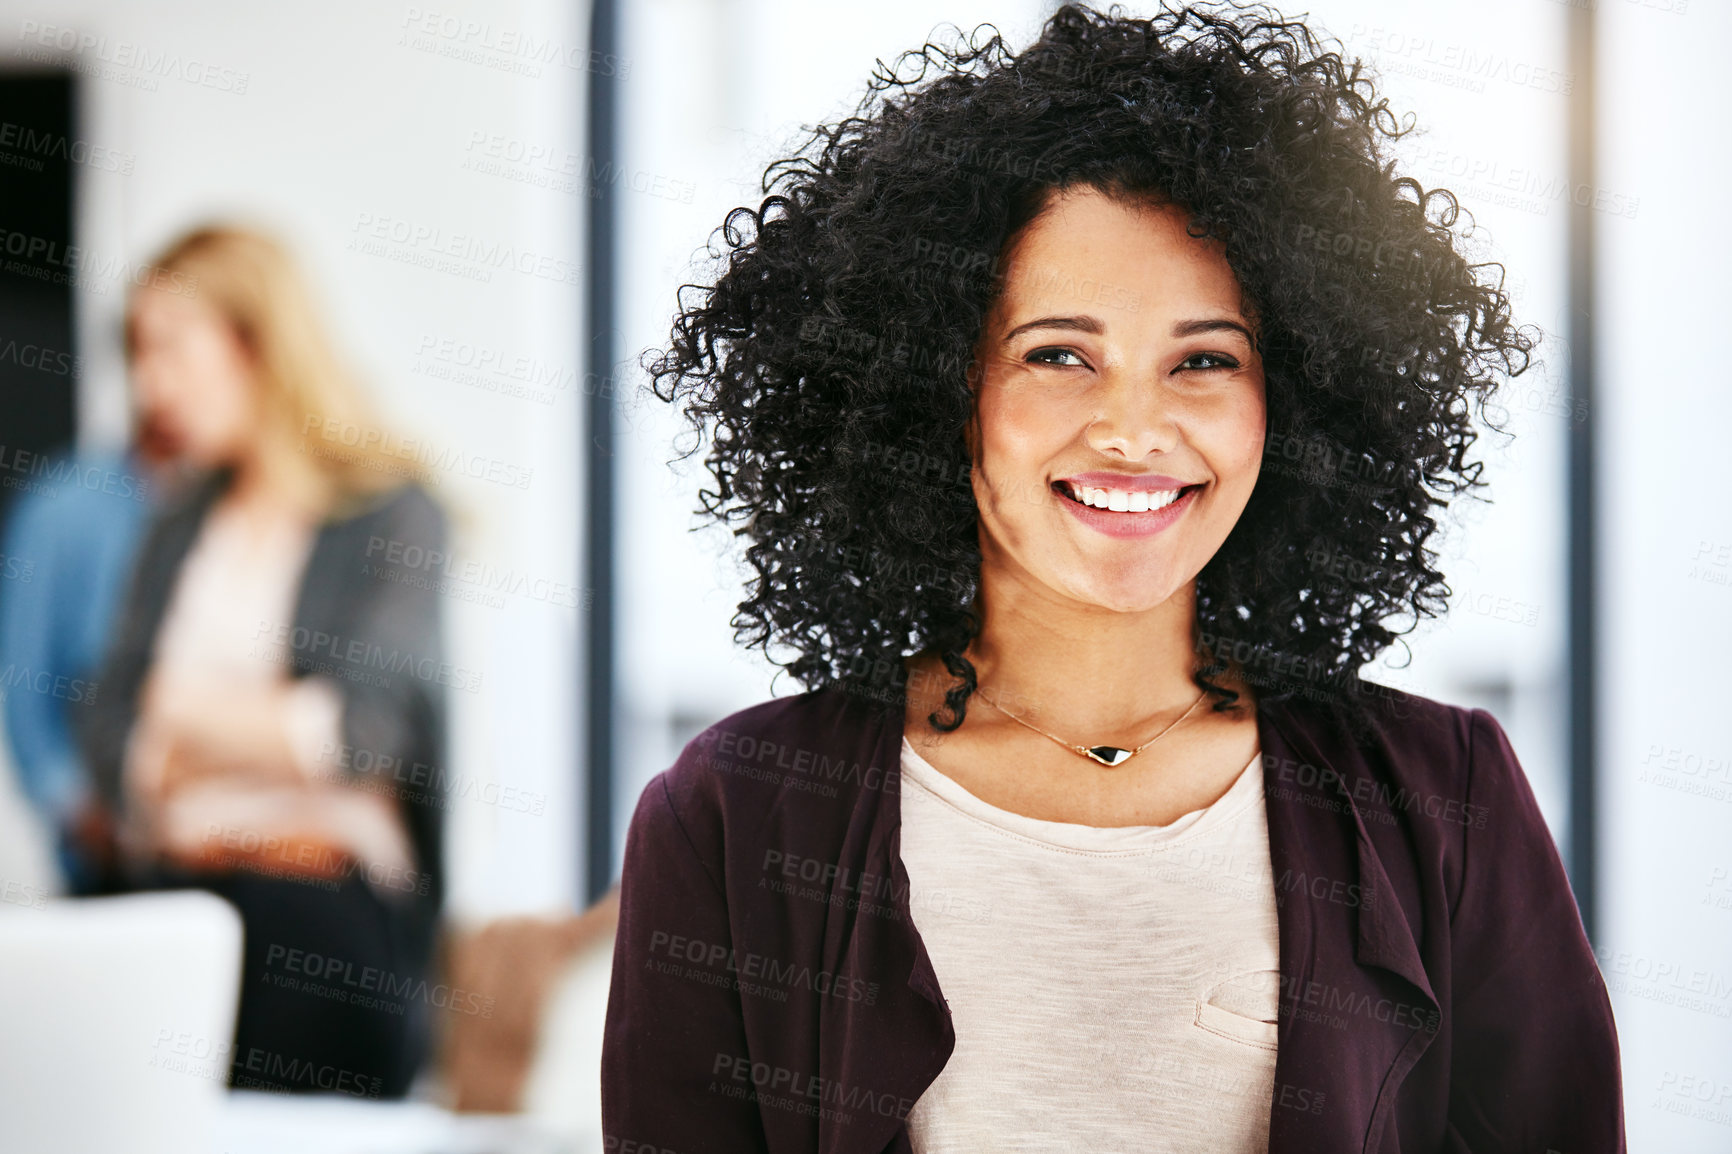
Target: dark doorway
[(38, 265)]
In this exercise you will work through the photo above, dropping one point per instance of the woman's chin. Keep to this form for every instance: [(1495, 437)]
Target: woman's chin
[(1139, 595)]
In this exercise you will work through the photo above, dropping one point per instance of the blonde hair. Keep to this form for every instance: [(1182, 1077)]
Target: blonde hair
[(309, 395)]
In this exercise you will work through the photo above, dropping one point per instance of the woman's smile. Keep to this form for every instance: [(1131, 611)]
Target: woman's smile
[(1121, 510)]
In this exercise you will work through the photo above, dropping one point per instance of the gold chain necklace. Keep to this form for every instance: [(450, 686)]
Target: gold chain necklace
[(1110, 756)]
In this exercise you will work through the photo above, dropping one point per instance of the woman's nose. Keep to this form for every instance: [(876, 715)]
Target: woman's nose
[(1135, 418)]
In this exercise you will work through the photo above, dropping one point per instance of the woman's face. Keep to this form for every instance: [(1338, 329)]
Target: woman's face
[(194, 379), (1118, 361)]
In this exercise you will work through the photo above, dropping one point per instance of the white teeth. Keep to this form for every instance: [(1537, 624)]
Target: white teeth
[(1124, 500)]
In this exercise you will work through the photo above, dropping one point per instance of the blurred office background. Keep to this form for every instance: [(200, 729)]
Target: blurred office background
[(402, 148)]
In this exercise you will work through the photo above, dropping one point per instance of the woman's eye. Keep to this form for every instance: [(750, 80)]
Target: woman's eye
[(1052, 357), (1209, 361)]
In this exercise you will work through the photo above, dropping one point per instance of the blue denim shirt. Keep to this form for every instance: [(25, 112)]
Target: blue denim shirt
[(66, 557)]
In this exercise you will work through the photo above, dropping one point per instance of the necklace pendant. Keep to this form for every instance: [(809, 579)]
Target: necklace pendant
[(1108, 755)]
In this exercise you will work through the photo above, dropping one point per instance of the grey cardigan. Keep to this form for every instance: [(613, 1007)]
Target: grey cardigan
[(376, 638)]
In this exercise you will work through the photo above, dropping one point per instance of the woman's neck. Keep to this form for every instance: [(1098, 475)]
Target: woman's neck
[(274, 473), (1099, 670)]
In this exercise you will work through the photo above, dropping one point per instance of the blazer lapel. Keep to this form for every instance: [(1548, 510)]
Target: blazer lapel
[(881, 1057), (1357, 1009)]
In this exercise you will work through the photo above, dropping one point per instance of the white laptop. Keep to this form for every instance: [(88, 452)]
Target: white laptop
[(117, 1022)]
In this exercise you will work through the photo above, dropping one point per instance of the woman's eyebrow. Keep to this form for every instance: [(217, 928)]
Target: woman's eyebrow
[(1082, 324), (1215, 325)]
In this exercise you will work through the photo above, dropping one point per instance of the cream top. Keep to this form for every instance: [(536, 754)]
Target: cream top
[(1112, 989)]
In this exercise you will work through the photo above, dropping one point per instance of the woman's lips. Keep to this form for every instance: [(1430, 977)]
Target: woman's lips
[(1128, 524)]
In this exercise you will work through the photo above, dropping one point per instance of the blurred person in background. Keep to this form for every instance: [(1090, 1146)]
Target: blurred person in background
[(270, 689), (69, 549)]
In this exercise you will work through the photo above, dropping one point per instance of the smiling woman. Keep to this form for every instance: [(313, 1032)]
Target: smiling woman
[(1317, 915)]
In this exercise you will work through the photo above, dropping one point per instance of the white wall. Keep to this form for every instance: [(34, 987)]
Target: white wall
[(324, 120), (1666, 556), (1488, 86)]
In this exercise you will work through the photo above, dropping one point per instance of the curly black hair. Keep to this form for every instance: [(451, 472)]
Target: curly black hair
[(830, 362)]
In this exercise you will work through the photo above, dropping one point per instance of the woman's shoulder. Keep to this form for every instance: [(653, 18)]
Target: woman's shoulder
[(1425, 777), (399, 526), (1415, 742), (812, 758), (408, 505), (818, 742)]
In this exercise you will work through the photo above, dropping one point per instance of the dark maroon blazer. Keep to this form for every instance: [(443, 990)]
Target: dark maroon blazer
[(771, 992)]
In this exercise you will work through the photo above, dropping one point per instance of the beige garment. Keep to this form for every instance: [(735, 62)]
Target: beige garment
[(1113, 989), (239, 581), (509, 971)]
